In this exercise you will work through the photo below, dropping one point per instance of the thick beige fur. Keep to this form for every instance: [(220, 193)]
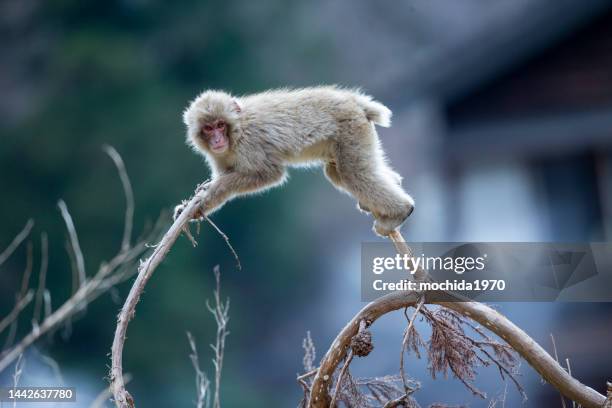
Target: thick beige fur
[(269, 131)]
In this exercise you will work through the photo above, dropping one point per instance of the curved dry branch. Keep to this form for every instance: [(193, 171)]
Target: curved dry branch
[(85, 294), (122, 397), (129, 195), (108, 274), (21, 304), (74, 242), (498, 324), (6, 254)]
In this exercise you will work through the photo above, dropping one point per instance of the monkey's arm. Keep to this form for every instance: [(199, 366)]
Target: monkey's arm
[(228, 185)]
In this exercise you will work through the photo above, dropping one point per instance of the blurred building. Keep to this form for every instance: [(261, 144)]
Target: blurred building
[(550, 116), (505, 134)]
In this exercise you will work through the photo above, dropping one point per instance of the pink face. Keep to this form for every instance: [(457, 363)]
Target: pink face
[(215, 134)]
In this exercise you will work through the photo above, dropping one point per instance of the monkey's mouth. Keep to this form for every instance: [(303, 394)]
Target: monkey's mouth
[(219, 146)]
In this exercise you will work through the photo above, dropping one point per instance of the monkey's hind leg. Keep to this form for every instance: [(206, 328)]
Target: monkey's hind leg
[(387, 202), (392, 206), (364, 173), (331, 172)]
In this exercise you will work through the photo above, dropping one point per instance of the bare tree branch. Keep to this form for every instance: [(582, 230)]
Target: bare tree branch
[(74, 242), (554, 344), (221, 312), (85, 294), (129, 196), (202, 382), (117, 269), (6, 254), (42, 276), (17, 375), (410, 326), (21, 304), (122, 398), (23, 293), (343, 371), (226, 239), (25, 280), (532, 352)]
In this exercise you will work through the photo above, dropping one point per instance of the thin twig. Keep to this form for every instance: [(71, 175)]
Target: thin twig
[(417, 308), (187, 233), (226, 239), (308, 363), (554, 344), (74, 241), (27, 273), (17, 375), (398, 402), (47, 302), (202, 382), (569, 371), (401, 247), (22, 294), (308, 374), (503, 369), (42, 276), (6, 254), (221, 313), (129, 196), (14, 313), (345, 367)]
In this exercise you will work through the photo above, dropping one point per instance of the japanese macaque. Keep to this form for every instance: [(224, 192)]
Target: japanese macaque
[(249, 141)]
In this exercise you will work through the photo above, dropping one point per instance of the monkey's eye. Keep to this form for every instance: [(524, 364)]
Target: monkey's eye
[(208, 128), (220, 125)]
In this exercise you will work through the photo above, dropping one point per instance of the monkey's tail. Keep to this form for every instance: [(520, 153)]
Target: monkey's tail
[(375, 111)]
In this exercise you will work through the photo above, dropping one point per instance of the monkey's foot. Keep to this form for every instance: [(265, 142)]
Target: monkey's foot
[(385, 225)]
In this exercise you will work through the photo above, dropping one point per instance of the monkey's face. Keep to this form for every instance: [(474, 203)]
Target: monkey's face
[(215, 135), (212, 121)]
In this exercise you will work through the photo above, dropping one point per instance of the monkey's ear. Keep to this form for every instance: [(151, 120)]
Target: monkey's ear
[(235, 107)]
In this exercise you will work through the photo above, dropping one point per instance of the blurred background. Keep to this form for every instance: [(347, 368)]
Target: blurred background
[(502, 130)]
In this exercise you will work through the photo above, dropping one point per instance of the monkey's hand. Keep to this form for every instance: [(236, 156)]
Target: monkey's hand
[(198, 213), (178, 210), (202, 186)]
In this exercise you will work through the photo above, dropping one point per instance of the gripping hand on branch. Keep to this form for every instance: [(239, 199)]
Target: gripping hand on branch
[(198, 214)]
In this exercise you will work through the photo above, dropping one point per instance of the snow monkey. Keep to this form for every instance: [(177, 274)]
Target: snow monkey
[(249, 141)]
